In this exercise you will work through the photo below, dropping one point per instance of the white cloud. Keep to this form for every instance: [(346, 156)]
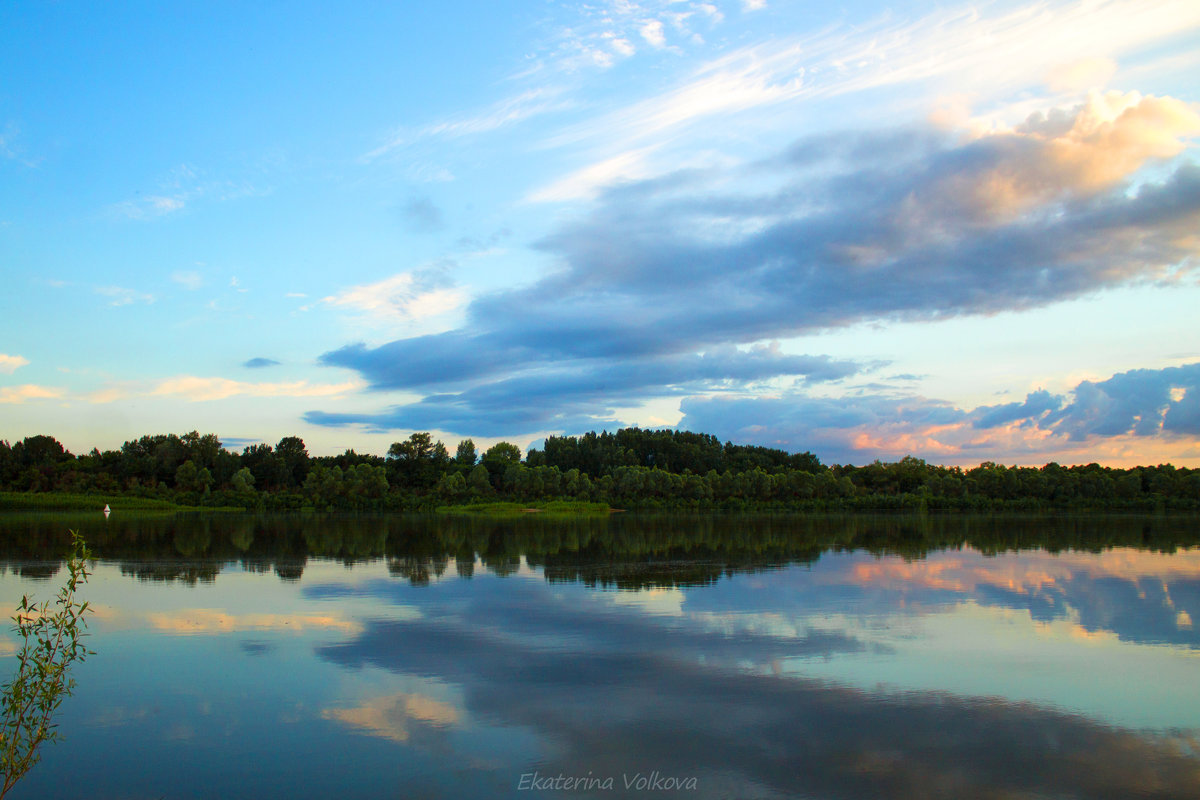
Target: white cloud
[(10, 364), (21, 394), (652, 32), (188, 279), (1085, 73), (406, 296), (585, 182), (120, 296), (622, 46), (198, 389), (753, 5)]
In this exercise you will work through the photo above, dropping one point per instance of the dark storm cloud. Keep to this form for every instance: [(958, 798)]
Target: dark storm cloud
[(835, 231)]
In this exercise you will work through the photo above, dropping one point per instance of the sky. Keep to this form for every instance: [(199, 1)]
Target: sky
[(965, 232)]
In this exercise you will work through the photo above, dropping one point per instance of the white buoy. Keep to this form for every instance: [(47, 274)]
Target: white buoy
[(107, 511)]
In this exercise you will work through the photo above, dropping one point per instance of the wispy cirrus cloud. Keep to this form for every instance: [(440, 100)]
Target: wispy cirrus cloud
[(509, 111), (177, 189)]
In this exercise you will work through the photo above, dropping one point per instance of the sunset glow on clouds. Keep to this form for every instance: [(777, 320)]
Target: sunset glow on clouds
[(834, 230)]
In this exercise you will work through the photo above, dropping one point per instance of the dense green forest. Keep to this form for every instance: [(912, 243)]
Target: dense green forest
[(631, 468)]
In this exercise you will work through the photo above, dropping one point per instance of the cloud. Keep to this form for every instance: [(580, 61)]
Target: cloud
[(188, 279), (510, 111), (991, 54), (587, 182), (1138, 404), (420, 215), (207, 621), (260, 363), (10, 364), (1036, 406), (28, 391), (652, 32), (120, 296), (901, 225), (603, 32), (199, 389), (403, 297), (779, 736), (1086, 73), (394, 716), (574, 396), (850, 429)]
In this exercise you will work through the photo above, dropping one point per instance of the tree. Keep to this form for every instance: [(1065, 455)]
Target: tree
[(465, 455), (479, 481), (499, 457), (293, 461), (51, 643), (243, 481), (452, 486), (417, 461)]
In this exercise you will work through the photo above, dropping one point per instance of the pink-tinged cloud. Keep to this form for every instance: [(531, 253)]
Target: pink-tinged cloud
[(1134, 417)]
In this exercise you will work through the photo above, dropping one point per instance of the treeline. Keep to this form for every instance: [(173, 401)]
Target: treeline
[(631, 468), (630, 551)]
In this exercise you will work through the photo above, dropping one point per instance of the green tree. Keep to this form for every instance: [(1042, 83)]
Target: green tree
[(479, 481), (51, 643), (293, 461), (465, 455), (499, 457), (243, 481)]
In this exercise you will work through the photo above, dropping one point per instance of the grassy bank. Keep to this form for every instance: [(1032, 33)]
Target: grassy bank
[(557, 508), (65, 501)]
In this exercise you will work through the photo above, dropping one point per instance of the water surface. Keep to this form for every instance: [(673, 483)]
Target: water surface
[(704, 657)]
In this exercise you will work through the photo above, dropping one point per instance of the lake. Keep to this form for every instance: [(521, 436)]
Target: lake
[(318, 656)]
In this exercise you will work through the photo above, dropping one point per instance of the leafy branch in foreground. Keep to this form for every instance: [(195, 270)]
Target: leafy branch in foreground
[(51, 642)]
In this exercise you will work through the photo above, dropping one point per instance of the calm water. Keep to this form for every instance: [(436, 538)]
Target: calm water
[(840, 657)]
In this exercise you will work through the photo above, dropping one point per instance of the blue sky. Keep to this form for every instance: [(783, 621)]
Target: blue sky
[(965, 232)]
